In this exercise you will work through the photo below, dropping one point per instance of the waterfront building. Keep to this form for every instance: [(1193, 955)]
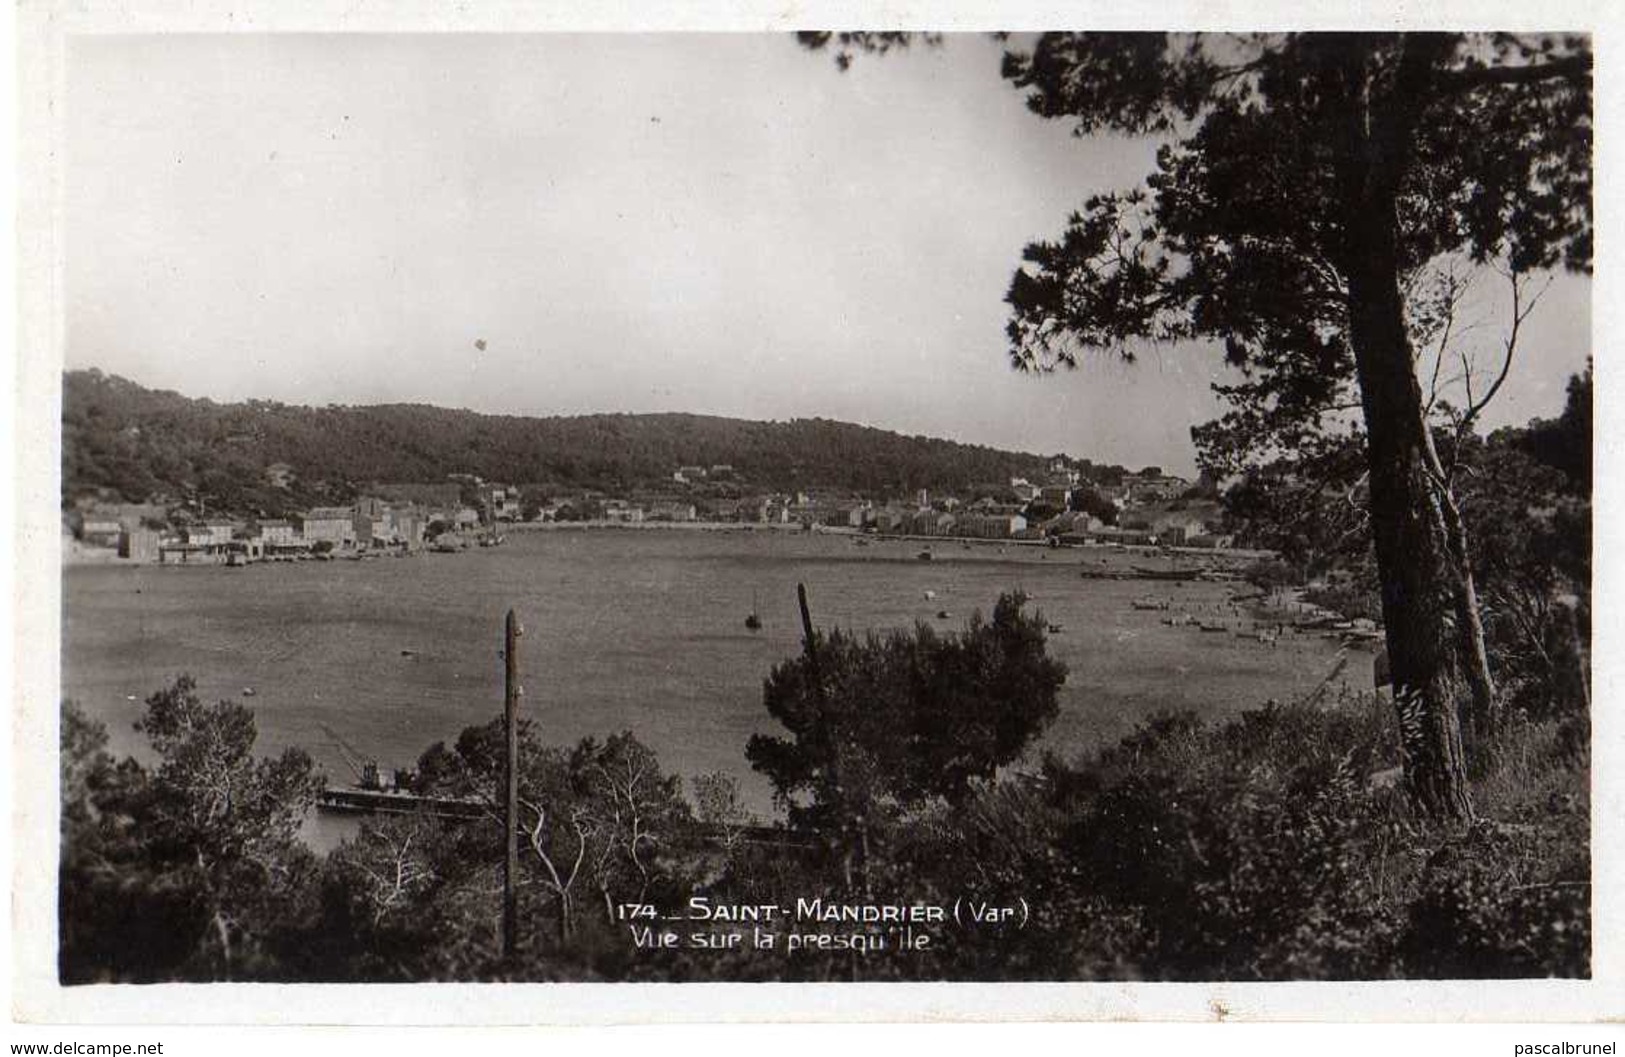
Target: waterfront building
[(331, 524), (670, 510), (210, 534), (278, 533), (101, 533), (501, 503), (138, 545), (990, 526), (405, 527)]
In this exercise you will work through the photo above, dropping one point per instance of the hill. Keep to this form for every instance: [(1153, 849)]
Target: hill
[(122, 440)]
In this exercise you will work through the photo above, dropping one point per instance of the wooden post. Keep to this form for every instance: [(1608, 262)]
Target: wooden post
[(806, 625), (510, 867)]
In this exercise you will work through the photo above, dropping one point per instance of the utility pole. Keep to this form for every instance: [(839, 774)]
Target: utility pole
[(807, 628), (510, 868)]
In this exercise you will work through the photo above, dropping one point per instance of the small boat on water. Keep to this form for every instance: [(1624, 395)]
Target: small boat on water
[(924, 555), (753, 621), (1056, 629), (943, 614), (249, 691), (1165, 574)]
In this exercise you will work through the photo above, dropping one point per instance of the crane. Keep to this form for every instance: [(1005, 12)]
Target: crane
[(366, 771)]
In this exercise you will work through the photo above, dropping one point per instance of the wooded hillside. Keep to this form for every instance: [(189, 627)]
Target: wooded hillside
[(124, 439)]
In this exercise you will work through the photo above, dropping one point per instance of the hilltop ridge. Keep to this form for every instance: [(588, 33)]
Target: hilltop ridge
[(122, 440)]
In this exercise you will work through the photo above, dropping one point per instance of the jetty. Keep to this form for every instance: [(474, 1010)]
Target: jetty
[(357, 800)]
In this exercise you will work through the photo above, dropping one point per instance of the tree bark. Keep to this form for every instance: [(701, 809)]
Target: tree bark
[(1419, 601), (1422, 605)]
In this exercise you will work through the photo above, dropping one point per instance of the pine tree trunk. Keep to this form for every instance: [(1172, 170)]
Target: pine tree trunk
[(1414, 560), (1423, 602)]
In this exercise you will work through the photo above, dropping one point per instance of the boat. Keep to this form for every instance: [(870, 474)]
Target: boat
[(1165, 574), (1056, 629), (1212, 627), (249, 691), (924, 555), (754, 620), (1145, 603), (943, 614)]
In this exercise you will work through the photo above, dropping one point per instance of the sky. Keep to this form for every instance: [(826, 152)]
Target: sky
[(569, 224)]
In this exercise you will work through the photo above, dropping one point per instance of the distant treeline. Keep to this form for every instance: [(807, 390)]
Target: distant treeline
[(124, 440)]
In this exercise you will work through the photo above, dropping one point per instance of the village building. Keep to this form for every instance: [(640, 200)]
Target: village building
[(688, 474), (501, 504), (1024, 489), (890, 519), (210, 534), (101, 533), (279, 475), (1151, 489), (278, 532), (669, 509), (619, 510), (849, 515), (334, 525), (1115, 494), (1056, 495), (138, 545), (405, 527), (990, 526)]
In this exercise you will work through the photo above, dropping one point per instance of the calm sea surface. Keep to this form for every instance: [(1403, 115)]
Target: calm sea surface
[(640, 630)]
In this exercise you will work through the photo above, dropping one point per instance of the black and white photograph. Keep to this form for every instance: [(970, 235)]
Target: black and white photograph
[(819, 507)]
